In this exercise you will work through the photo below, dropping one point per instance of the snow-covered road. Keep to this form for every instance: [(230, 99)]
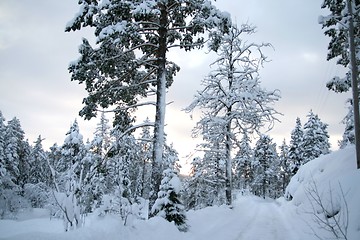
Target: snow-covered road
[(268, 222), (252, 218)]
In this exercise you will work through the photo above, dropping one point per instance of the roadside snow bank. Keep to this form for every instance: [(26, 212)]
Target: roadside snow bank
[(326, 193)]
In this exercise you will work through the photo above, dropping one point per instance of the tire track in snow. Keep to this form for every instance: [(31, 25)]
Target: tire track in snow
[(268, 222)]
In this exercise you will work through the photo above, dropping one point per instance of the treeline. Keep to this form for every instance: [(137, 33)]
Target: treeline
[(263, 170), (109, 174)]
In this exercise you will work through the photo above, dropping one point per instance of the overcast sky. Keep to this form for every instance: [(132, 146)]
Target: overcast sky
[(35, 84)]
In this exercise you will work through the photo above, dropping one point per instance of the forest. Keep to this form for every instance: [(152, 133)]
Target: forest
[(129, 169), (112, 172)]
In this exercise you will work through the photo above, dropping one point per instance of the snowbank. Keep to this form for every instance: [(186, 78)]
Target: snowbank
[(326, 190)]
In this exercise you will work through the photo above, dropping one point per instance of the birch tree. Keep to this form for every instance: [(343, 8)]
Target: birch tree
[(232, 100)]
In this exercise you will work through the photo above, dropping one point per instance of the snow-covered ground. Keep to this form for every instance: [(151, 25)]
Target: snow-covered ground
[(250, 218)]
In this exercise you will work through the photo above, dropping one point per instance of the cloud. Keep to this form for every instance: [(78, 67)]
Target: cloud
[(310, 57)]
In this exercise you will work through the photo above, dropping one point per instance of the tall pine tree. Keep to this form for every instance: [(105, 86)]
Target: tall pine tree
[(133, 38)]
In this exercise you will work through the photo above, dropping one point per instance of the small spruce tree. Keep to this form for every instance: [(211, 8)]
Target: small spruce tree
[(168, 204)]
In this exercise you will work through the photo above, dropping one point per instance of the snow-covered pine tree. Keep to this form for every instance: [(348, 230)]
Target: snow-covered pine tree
[(344, 15), (94, 181), (145, 148), (37, 188), (8, 189), (232, 98), (73, 150), (211, 168), (2, 145), (213, 173), (39, 169), (168, 204), (73, 168), (14, 137), (118, 76), (285, 166), (195, 187), (265, 168), (349, 133), (102, 141), (316, 138), (16, 167), (54, 156), (336, 25), (123, 164), (296, 151), (243, 173)]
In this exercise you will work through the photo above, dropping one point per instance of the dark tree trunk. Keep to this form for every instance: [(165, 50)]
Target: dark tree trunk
[(228, 180)]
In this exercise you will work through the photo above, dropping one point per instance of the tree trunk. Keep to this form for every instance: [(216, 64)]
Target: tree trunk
[(264, 182), (354, 84), (228, 180), (158, 146)]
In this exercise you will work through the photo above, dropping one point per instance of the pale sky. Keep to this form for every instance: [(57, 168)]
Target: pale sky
[(35, 84)]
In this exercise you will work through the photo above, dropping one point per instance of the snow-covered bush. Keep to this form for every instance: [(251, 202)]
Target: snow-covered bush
[(37, 194), (168, 204), (11, 202)]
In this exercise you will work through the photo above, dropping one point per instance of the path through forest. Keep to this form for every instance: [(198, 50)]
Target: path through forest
[(251, 218)]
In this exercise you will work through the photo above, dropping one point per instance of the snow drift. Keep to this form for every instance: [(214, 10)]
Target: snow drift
[(326, 195)]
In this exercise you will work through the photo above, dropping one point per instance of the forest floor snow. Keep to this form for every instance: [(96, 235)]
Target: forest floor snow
[(250, 218)]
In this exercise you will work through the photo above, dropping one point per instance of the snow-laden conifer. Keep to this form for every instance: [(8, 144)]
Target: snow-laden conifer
[(265, 167), (349, 132), (14, 137), (72, 168), (316, 138), (243, 172), (296, 151), (145, 160), (284, 174), (2, 145), (129, 60), (168, 204), (336, 25)]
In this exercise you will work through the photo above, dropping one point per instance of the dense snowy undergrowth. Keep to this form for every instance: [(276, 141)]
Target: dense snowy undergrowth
[(325, 201)]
